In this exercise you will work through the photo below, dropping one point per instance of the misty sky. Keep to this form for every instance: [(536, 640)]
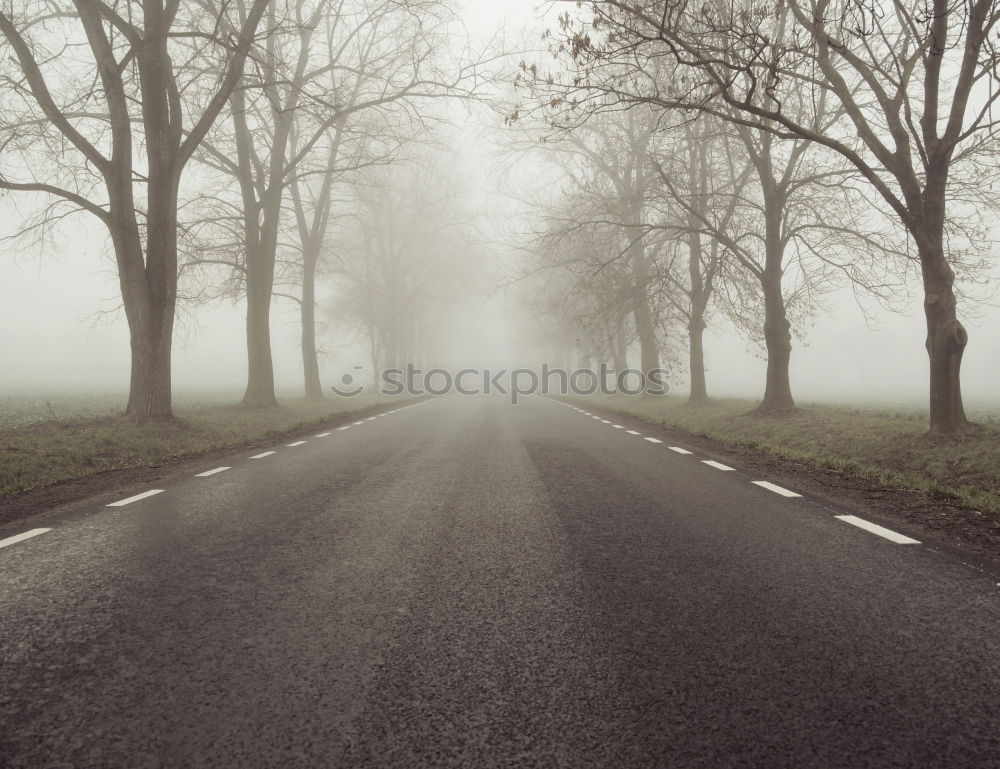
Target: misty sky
[(61, 331)]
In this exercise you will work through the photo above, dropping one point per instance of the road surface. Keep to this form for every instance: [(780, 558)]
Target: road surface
[(467, 583)]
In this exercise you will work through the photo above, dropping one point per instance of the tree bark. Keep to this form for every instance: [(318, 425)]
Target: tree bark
[(696, 361), (696, 321), (649, 354), (149, 383), (777, 329), (946, 337), (260, 366), (310, 360), (778, 341), (620, 347)]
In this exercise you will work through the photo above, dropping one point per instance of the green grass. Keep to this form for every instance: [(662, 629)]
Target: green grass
[(890, 446), (47, 440)]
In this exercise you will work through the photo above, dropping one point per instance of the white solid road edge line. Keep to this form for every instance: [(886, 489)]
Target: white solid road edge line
[(261, 456), (212, 472), (874, 528), (136, 498), (653, 440), (678, 449), (21, 537), (716, 465), (776, 488)]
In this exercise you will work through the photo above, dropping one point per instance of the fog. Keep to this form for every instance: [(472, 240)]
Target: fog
[(64, 330)]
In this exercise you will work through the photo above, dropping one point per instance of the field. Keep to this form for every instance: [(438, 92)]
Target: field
[(888, 445), (48, 439)]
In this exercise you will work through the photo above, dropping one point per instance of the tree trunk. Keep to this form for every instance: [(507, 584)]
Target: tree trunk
[(149, 385), (620, 347), (696, 321), (777, 329), (260, 367), (946, 339), (310, 361), (696, 358), (649, 354), (778, 340)]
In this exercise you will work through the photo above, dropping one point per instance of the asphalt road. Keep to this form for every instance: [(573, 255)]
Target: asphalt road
[(466, 583)]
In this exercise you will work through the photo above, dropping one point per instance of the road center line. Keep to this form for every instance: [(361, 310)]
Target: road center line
[(776, 488), (371, 419), (321, 435), (345, 427), (297, 443), (605, 421), (136, 498), (679, 450), (21, 537), (874, 528), (618, 427), (361, 422), (261, 456), (632, 432), (212, 472), (653, 440), (716, 465)]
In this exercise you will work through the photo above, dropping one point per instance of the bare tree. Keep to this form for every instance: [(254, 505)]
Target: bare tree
[(337, 59), (696, 160), (111, 132)]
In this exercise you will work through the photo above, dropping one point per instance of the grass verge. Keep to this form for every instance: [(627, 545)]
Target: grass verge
[(890, 447), (45, 451)]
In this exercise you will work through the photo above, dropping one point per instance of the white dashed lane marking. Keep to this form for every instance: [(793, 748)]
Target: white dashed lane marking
[(861, 523), (297, 443), (361, 422), (345, 427), (136, 498), (216, 471), (881, 531), (776, 488), (21, 537), (321, 435), (261, 456)]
